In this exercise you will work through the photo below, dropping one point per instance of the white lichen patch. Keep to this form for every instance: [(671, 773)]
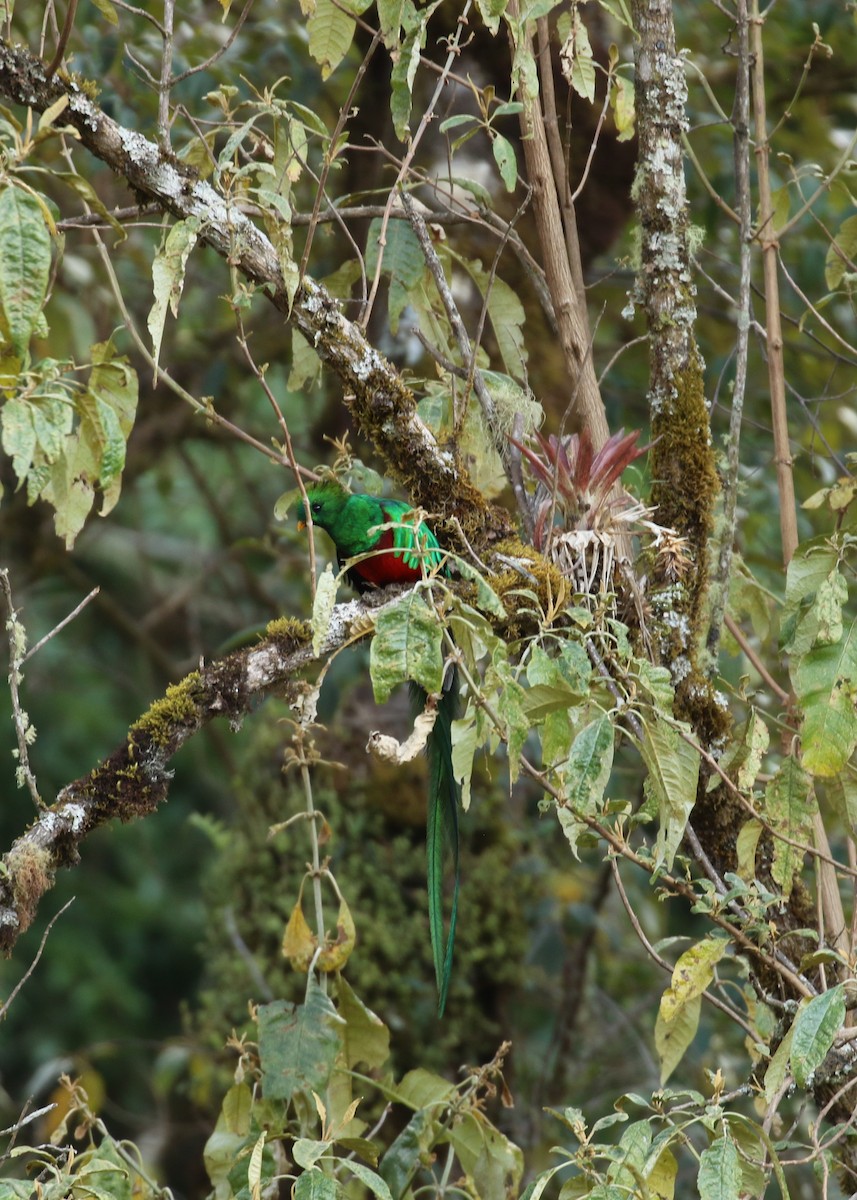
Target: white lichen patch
[(140, 150), (50, 824), (369, 362), (680, 668), (84, 107), (75, 814)]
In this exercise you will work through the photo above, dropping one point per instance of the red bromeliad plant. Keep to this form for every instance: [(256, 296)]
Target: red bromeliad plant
[(582, 519), (575, 483)]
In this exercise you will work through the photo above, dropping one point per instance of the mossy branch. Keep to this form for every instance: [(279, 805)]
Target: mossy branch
[(135, 779)]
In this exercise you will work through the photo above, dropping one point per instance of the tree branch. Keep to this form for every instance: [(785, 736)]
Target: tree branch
[(135, 779), (383, 407)]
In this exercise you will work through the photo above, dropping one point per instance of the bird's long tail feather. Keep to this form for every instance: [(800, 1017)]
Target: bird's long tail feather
[(444, 795)]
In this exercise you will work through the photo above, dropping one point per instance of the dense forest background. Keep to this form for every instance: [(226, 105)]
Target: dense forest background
[(164, 386)]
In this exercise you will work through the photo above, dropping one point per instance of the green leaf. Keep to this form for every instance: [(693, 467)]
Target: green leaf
[(673, 767), (486, 598), (742, 758), (254, 1170), (402, 263), (454, 122), (753, 1146), (113, 386), (815, 1027), (83, 188), (719, 1176), (506, 313), (25, 264), (842, 249), (168, 272), (107, 11), (841, 791), (365, 1037), (376, 1185), (390, 17), (745, 849), (465, 743), (72, 500), (298, 1044), (406, 645), (493, 1162), (585, 775), (673, 1038), (423, 1089), (409, 1150), (630, 1156), (830, 598), (491, 11), (236, 1109), (825, 683), (330, 32), (315, 1185), (789, 807), (810, 566), (507, 163), (306, 365), (576, 60), (406, 63), (307, 1151), (778, 1067), (18, 435)]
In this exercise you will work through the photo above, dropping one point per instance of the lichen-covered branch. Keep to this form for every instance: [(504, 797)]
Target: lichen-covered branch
[(135, 779), (682, 460), (383, 407)]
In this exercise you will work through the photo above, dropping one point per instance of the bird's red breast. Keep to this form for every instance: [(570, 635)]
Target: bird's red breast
[(381, 569)]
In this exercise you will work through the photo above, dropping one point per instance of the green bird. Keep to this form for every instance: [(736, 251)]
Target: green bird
[(401, 555)]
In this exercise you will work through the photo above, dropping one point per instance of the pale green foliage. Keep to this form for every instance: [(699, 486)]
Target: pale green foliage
[(407, 645), (25, 263), (168, 273)]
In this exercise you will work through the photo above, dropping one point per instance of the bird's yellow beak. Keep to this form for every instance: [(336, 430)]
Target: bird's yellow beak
[(301, 525)]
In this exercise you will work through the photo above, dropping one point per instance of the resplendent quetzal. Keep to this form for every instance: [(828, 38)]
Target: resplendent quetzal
[(402, 555)]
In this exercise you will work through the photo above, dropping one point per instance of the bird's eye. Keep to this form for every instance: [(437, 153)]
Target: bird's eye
[(316, 506)]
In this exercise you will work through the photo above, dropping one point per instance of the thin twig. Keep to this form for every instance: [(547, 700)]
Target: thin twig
[(738, 633), (165, 82), (16, 989), (68, 25), (219, 52), (768, 240), (65, 621), (454, 43)]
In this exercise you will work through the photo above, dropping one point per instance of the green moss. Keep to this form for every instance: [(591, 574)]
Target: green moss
[(177, 707), (289, 633)]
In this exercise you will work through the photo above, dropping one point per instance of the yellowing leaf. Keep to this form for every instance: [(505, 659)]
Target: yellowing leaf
[(337, 950), (299, 942), (678, 1014)]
